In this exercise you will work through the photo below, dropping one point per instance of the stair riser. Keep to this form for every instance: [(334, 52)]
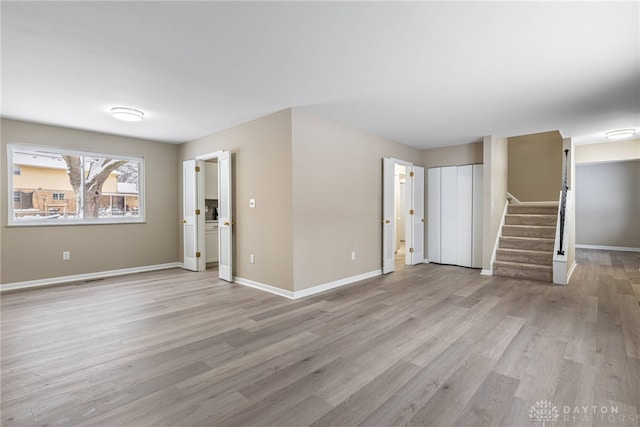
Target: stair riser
[(532, 210), (545, 233), (547, 220), (541, 259), (541, 276), (533, 245)]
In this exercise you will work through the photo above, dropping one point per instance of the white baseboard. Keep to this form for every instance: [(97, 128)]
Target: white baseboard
[(608, 248), (85, 276), (309, 291), (487, 272), (337, 283), (264, 287)]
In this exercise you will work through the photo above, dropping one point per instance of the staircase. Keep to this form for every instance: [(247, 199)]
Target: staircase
[(526, 246)]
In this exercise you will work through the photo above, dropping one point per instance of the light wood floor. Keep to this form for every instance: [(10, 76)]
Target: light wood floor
[(427, 345)]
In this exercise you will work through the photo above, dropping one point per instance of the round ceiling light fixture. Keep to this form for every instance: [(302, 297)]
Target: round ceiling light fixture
[(127, 114), (620, 133)]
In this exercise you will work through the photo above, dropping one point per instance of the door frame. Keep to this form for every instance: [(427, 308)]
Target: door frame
[(405, 216), (201, 196)]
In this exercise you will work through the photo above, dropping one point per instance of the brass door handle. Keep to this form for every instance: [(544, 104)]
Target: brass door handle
[(388, 221), (226, 224)]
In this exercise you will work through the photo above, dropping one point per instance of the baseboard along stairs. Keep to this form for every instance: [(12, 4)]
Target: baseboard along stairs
[(525, 250)]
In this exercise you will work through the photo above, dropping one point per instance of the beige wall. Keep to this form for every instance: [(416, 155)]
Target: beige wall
[(35, 252), (457, 155), (495, 172), (608, 204), (262, 170), (613, 151), (535, 166), (337, 198)]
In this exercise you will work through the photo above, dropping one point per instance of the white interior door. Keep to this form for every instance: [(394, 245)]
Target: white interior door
[(225, 217), (388, 215), (464, 215), (449, 217), (191, 255), (433, 219), (417, 215)]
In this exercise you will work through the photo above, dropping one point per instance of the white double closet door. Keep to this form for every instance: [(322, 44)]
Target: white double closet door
[(455, 215)]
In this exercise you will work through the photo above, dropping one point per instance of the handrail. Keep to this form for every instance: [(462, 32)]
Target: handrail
[(512, 199), (563, 204)]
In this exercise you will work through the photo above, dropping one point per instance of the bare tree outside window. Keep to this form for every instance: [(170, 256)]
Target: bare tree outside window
[(97, 172)]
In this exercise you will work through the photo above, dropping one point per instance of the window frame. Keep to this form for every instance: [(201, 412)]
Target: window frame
[(11, 222)]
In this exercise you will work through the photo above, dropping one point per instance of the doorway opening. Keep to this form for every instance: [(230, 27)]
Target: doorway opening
[(207, 213), (402, 214), (211, 204)]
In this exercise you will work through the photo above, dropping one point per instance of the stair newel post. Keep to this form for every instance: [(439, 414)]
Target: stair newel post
[(563, 204)]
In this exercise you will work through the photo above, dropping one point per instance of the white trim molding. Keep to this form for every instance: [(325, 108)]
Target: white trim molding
[(263, 287), (308, 291), (335, 284), (84, 277), (608, 248)]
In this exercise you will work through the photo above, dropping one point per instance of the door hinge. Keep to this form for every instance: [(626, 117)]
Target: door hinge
[(411, 212), (197, 168), (197, 254), (411, 174), (197, 211), (411, 250)]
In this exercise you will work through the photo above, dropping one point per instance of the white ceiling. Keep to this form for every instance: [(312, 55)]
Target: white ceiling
[(426, 74)]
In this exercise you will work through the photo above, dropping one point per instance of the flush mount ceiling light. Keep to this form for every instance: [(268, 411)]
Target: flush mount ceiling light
[(620, 133), (127, 114)]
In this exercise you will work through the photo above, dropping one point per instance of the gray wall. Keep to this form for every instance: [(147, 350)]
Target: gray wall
[(608, 204)]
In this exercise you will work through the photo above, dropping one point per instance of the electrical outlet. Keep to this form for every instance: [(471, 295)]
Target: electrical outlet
[(353, 256), (252, 259), (252, 203), (66, 255)]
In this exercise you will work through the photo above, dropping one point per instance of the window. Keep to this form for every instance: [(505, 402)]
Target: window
[(73, 187)]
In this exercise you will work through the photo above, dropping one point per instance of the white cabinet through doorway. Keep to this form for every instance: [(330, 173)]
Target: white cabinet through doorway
[(455, 215), (211, 239)]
